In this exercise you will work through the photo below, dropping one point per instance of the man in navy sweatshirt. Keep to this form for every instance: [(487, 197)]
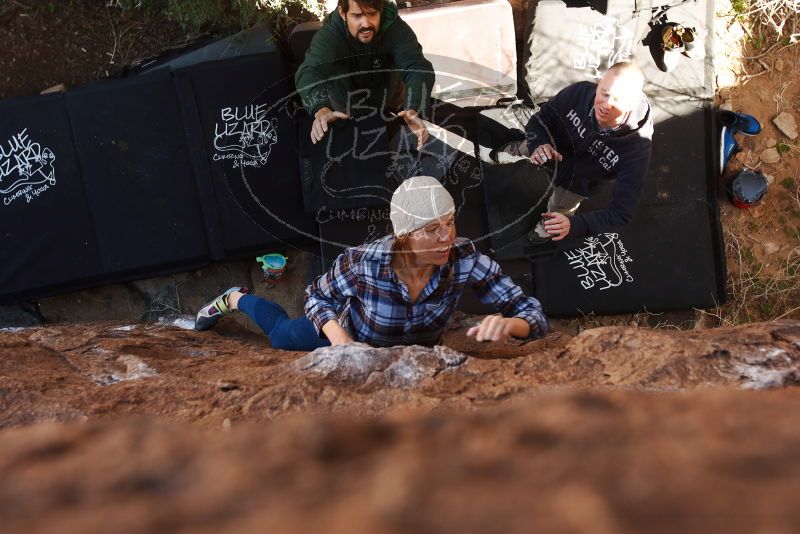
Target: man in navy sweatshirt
[(594, 132)]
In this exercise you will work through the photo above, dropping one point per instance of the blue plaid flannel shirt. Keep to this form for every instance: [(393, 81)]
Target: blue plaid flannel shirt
[(363, 293)]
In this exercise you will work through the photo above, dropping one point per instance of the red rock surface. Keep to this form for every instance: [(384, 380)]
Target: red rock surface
[(142, 428)]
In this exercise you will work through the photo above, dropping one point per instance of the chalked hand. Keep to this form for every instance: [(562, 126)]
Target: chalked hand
[(322, 118), (545, 153)]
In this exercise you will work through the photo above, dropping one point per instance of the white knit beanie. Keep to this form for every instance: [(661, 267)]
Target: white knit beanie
[(418, 201)]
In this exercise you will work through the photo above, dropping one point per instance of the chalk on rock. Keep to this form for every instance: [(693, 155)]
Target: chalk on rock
[(351, 363), (726, 106), (416, 363), (185, 322), (786, 124), (135, 368), (771, 248), (399, 367)]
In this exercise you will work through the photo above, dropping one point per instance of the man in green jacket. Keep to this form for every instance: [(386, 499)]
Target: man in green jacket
[(365, 56)]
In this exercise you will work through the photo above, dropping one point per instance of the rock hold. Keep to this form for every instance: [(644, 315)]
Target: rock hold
[(227, 385), (352, 363), (416, 363), (400, 367), (786, 124), (135, 369), (768, 368)]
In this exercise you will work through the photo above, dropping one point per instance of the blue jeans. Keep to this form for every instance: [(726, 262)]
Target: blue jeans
[(284, 333)]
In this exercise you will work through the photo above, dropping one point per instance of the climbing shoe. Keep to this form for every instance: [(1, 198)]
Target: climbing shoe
[(693, 46), (731, 123), (209, 314), (727, 148), (667, 45), (739, 122)]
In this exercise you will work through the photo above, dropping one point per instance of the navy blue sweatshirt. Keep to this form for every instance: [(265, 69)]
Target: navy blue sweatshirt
[(590, 155)]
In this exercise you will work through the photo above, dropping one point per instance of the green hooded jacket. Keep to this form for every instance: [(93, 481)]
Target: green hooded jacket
[(337, 64)]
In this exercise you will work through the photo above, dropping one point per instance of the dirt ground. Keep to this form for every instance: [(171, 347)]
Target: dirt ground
[(763, 242), (75, 42)]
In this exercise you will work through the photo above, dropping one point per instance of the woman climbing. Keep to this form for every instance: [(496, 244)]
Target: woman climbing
[(398, 290)]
